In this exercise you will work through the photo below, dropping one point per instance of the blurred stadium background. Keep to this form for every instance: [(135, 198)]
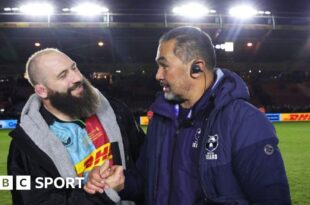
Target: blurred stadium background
[(116, 51)]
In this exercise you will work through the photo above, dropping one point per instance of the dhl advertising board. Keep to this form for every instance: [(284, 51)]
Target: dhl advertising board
[(144, 120), (295, 117), (288, 117)]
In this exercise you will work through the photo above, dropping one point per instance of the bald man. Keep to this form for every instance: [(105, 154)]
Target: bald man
[(68, 128)]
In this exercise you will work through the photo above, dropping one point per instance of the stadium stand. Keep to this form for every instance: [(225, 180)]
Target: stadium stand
[(271, 91)]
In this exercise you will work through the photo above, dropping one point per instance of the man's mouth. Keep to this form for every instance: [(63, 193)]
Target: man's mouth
[(166, 88), (76, 87)]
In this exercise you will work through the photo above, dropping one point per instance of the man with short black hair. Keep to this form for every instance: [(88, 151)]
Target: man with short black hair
[(205, 143)]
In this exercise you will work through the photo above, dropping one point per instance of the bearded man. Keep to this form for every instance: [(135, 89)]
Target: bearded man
[(66, 129)]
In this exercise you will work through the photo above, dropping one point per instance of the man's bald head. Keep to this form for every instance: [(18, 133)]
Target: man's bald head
[(33, 66)]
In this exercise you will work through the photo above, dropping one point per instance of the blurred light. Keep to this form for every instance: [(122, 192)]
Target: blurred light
[(118, 71), (267, 12), (192, 10), (89, 9), (37, 9), (259, 71), (249, 44), (250, 71), (212, 11), (37, 44), (218, 46), (261, 12), (243, 11), (100, 43), (229, 46), (65, 9), (11, 9), (2, 110)]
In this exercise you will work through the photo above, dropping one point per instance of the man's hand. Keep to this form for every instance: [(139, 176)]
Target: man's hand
[(117, 180), (104, 177), (95, 182)]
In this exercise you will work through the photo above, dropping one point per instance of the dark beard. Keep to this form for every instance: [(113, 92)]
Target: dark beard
[(76, 107)]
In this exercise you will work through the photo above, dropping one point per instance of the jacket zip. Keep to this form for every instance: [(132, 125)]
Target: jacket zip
[(156, 180), (205, 131), (177, 132)]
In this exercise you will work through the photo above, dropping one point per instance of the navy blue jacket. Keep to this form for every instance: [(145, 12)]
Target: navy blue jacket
[(227, 153)]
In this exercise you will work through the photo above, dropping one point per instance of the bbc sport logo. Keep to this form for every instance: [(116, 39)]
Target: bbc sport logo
[(23, 182)]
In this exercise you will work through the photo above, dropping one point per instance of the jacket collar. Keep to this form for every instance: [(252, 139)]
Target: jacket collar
[(167, 108), (35, 126)]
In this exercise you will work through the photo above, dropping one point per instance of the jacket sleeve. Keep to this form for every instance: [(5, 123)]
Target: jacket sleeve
[(257, 160), (132, 133), (133, 137), (135, 180), (19, 163)]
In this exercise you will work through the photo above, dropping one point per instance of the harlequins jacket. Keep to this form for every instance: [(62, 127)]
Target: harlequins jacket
[(35, 151), (236, 157)]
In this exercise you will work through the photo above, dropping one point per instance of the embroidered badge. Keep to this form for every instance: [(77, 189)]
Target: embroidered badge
[(268, 149), (211, 146), (67, 142), (196, 138)]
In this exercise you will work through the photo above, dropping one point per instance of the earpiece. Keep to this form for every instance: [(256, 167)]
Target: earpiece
[(195, 69)]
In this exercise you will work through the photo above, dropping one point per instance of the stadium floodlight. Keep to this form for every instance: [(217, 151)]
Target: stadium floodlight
[(89, 9), (192, 10), (243, 12), (100, 44), (8, 9), (267, 13), (264, 13), (37, 9)]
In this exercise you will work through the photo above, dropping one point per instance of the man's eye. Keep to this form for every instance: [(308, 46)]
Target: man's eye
[(62, 76)]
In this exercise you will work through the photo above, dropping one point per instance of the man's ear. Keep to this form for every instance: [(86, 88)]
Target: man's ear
[(40, 90), (197, 68)]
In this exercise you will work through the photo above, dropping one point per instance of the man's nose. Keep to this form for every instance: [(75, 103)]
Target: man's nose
[(159, 74), (75, 76)]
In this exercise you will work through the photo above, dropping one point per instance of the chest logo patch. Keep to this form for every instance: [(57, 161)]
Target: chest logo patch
[(196, 138), (211, 146), (212, 143), (67, 142)]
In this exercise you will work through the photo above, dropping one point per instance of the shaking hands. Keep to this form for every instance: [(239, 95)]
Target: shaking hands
[(104, 177)]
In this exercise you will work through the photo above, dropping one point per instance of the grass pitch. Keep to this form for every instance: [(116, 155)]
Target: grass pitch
[(5, 196), (294, 142)]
